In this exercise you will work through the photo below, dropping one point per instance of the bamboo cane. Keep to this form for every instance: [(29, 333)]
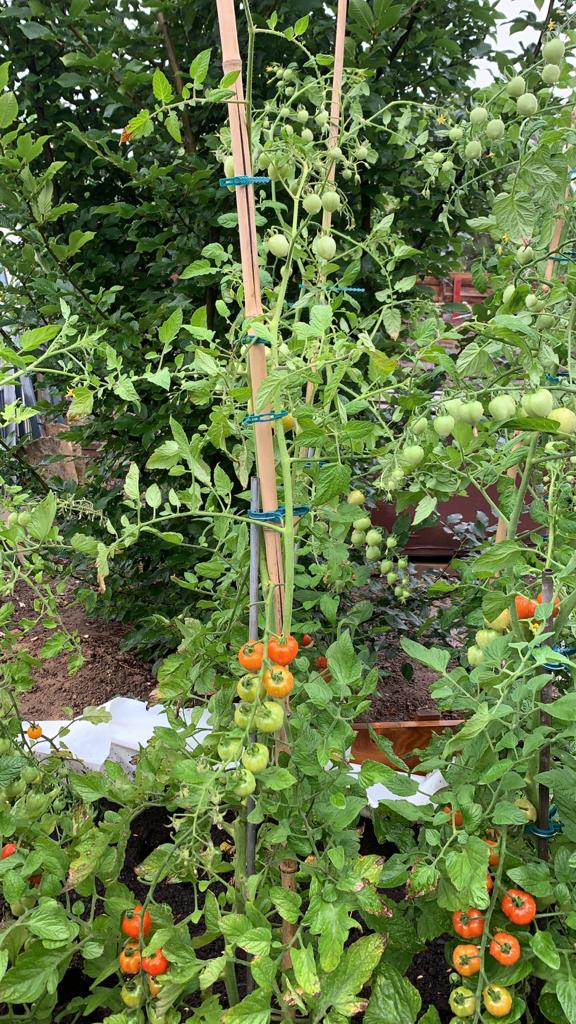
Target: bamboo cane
[(232, 61)]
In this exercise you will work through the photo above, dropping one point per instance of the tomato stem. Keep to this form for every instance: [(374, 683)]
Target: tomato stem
[(485, 935)]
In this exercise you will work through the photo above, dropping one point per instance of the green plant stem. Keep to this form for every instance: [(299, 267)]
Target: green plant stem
[(519, 503), (230, 982), (488, 917), (240, 826)]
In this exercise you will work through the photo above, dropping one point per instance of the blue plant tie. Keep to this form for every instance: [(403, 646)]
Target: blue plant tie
[(316, 462), (243, 179), (255, 340), (278, 514), (555, 378), (263, 417), (554, 827), (566, 257)]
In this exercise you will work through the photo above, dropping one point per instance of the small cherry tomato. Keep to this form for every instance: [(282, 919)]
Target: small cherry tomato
[(131, 922), (489, 882), (455, 816), (519, 906), (131, 993), (278, 681), (497, 1000), (466, 959), (320, 662), (155, 964), (251, 655), (307, 640), (249, 688), (468, 923), (244, 783), (525, 607), (129, 959), (282, 649), (34, 731), (505, 948), (230, 750), (243, 715), (556, 604), (494, 858), (269, 716), (462, 1002), (154, 986), (7, 850), (255, 758), (35, 879)]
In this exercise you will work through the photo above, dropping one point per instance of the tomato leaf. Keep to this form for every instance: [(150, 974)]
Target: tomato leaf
[(543, 946), (394, 1000)]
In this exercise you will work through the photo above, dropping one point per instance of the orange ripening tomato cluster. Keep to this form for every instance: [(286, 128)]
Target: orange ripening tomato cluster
[(137, 924)]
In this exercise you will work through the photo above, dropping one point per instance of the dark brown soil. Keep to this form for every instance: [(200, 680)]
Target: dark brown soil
[(403, 688), (108, 671)]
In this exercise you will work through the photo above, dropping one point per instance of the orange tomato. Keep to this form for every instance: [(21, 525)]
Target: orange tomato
[(278, 681), (129, 959), (34, 731), (466, 959), (282, 649), (251, 655), (525, 607), (494, 858), (455, 816), (556, 604)]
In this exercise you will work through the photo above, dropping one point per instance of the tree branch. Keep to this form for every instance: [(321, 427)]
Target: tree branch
[(547, 18), (188, 138)]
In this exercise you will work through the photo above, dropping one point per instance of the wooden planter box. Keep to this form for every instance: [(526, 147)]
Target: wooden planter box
[(405, 738)]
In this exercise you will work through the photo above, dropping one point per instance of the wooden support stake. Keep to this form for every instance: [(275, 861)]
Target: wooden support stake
[(545, 720)]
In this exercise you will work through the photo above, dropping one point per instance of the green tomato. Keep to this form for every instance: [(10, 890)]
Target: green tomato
[(545, 320), (322, 118), (565, 418), (255, 758), (527, 105), (358, 538), (485, 637), (502, 407), (533, 303), (475, 656), (229, 167), (362, 152), (550, 74), (302, 115), (538, 403), (462, 1002), (24, 518), (249, 688), (473, 150), (420, 426), (443, 425), (524, 255), (355, 498), (456, 133), (347, 174), (373, 537), (306, 135), (448, 166), (402, 563), (472, 412), (391, 542), (30, 773), (516, 87), (362, 524), (412, 455), (243, 715), (496, 129), (331, 201), (386, 566), (288, 74), (373, 552), (438, 158), (312, 203), (553, 50), (335, 153), (132, 994), (453, 407), (284, 112), (325, 247), (5, 746), (230, 750), (398, 591), (269, 716), (278, 245), (243, 781), (391, 577), (478, 116), (508, 294)]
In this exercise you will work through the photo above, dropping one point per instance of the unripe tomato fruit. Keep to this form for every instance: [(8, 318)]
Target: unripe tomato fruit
[(545, 320), (244, 714), (362, 524), (565, 418), (501, 623), (312, 203), (322, 118), (358, 538), (502, 407), (373, 552), (302, 115), (386, 566), (516, 87), (485, 637), (278, 245), (527, 105), (553, 50), (131, 922), (472, 412), (550, 74), (373, 537), (229, 750), (278, 681), (478, 116), (306, 135), (391, 542), (420, 426), (331, 201), (325, 247), (453, 407), (473, 150), (355, 498), (526, 805), (362, 152), (538, 403), (497, 1000), (412, 455), (269, 716), (475, 656), (249, 688), (462, 1002), (496, 129), (443, 425), (456, 133), (131, 994), (533, 303), (335, 153), (255, 758), (508, 294), (244, 784)]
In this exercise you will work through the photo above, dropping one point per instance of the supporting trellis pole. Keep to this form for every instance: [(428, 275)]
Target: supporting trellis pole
[(544, 757), (252, 635), (231, 61)]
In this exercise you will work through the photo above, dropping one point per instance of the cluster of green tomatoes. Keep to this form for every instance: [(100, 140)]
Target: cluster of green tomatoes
[(501, 408)]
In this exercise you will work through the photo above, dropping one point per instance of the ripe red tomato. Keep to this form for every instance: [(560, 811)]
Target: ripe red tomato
[(282, 649), (131, 922), (455, 816), (556, 604), (466, 959), (35, 879), (278, 681), (489, 882), (251, 655), (519, 906), (307, 640), (320, 662), (129, 959), (155, 964), (525, 607), (468, 923), (8, 849), (505, 948), (494, 858)]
